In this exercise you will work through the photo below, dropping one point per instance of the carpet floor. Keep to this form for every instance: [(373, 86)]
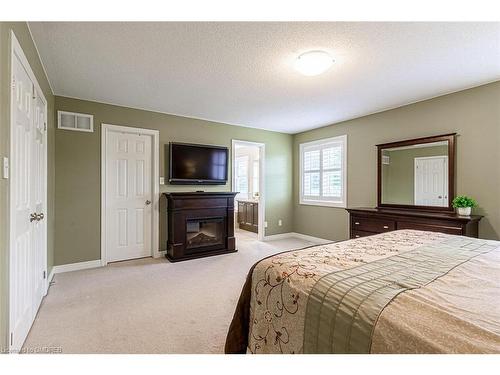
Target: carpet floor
[(149, 305)]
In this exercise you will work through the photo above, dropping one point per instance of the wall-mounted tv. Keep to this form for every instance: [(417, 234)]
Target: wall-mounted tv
[(192, 164)]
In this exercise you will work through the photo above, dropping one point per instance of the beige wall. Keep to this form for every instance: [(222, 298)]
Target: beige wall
[(78, 165), (398, 186), (474, 114), (23, 36)]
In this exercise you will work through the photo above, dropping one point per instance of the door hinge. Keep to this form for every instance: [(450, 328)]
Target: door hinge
[(13, 83), (44, 274), (11, 338), (45, 126)]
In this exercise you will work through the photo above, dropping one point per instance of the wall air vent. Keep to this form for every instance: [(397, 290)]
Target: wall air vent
[(75, 121)]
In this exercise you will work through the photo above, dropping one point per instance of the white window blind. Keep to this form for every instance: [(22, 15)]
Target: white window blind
[(241, 180), (255, 177), (323, 172)]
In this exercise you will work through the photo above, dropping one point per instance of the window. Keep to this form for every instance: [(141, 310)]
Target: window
[(241, 180), (75, 121), (323, 171), (255, 177)]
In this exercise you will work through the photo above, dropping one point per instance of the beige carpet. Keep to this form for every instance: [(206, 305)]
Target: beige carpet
[(149, 305)]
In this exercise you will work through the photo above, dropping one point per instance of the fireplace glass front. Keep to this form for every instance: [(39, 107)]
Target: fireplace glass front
[(204, 232)]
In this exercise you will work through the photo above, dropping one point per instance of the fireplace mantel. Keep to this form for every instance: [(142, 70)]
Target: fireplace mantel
[(199, 224)]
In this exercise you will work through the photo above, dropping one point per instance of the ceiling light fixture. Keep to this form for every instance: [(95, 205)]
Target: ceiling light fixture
[(313, 63)]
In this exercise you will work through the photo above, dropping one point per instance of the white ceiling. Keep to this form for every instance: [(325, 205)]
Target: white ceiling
[(241, 73)]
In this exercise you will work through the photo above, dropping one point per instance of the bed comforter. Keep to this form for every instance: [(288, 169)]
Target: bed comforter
[(455, 311)]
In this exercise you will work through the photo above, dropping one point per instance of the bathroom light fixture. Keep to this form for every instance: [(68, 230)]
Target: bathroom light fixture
[(313, 63)]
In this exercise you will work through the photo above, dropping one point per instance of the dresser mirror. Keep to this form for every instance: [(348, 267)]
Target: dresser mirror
[(417, 173)]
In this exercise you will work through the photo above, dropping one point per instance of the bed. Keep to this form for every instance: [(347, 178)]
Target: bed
[(404, 291)]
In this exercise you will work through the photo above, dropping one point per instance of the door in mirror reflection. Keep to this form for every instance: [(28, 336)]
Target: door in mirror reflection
[(431, 181)]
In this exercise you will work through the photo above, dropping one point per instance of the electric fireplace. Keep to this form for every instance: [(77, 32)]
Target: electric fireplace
[(199, 224)]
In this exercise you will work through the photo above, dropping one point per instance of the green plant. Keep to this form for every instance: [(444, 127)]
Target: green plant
[(463, 201)]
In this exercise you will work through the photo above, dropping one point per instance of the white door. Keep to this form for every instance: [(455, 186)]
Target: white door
[(38, 190), (128, 196), (431, 181), (28, 203)]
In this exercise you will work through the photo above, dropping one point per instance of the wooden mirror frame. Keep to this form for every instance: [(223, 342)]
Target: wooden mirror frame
[(450, 138)]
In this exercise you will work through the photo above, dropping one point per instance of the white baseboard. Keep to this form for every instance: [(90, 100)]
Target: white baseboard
[(305, 237), (76, 266), (51, 275), (49, 280)]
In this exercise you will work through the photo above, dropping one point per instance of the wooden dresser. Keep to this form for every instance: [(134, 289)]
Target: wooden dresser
[(369, 221)]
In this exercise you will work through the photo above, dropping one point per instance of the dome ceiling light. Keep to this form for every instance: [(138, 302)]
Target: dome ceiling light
[(313, 63)]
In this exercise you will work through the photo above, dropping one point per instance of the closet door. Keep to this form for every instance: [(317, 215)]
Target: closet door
[(38, 183), (21, 261), (129, 195), (27, 201)]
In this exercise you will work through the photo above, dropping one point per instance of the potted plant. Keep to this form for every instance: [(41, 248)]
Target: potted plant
[(464, 205)]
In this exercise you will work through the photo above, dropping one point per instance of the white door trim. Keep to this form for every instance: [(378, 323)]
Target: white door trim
[(155, 173), (16, 50), (262, 186)]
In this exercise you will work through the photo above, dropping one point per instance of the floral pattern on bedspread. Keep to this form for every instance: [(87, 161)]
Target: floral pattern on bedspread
[(281, 284)]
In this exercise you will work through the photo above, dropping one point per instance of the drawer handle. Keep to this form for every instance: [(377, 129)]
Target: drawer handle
[(357, 236), (356, 223), (386, 227)]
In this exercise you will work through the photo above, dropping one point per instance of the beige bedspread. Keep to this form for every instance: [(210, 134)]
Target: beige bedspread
[(457, 313)]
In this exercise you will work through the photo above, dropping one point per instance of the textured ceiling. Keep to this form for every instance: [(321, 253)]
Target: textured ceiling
[(242, 74)]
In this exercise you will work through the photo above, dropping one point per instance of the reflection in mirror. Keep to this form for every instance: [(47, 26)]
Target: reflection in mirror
[(415, 174)]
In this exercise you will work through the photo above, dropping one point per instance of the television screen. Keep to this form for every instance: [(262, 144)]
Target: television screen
[(198, 164)]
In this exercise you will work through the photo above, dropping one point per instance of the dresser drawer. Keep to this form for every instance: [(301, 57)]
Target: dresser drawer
[(361, 233), (372, 225), (380, 220), (445, 228)]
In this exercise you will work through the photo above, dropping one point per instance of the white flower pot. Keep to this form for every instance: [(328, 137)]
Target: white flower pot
[(464, 211)]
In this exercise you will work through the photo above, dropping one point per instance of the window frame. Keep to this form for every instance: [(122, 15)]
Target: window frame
[(255, 176), (246, 177), (321, 144)]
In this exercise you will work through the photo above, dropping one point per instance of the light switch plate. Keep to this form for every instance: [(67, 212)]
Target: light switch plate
[(162, 180), (5, 163)]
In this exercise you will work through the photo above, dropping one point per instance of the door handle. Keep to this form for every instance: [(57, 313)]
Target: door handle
[(439, 196), (40, 216), (148, 202), (33, 217)]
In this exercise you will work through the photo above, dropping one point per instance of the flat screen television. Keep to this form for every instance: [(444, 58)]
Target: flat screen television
[(192, 164)]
